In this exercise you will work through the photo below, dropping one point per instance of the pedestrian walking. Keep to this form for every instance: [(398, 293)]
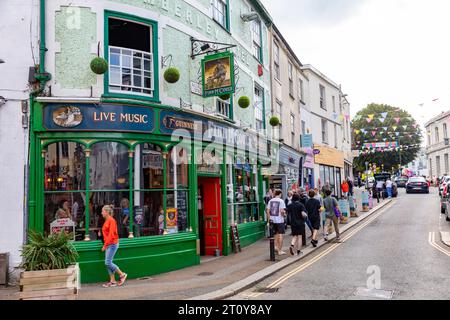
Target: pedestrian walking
[(326, 187), (288, 200), (304, 199), (110, 247), (297, 218), (276, 210), (313, 209), (380, 185), (389, 186), (268, 197), (350, 187), (345, 188), (332, 214)]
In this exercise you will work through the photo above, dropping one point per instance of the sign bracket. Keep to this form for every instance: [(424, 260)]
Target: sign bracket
[(203, 47)]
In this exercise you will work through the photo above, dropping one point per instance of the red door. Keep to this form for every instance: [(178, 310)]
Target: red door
[(212, 215)]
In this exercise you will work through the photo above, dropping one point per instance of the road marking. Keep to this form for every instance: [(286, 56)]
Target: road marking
[(333, 247), (432, 242)]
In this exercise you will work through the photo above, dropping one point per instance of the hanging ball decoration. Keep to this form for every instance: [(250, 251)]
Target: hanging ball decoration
[(244, 102), (225, 97), (172, 75), (274, 121), (99, 65)]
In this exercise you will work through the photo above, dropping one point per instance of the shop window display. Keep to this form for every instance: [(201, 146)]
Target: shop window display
[(64, 185)]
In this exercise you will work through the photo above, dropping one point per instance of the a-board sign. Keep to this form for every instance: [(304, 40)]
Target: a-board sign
[(235, 239), (63, 225), (182, 205)]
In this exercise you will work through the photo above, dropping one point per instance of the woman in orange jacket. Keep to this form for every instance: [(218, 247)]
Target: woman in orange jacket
[(110, 247)]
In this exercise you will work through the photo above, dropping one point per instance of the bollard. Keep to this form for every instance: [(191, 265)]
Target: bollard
[(272, 242)]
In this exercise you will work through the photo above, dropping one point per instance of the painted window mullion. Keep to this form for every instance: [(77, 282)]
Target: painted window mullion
[(87, 217), (131, 183), (165, 189)]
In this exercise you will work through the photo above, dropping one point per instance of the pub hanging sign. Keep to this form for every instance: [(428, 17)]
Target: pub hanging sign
[(218, 74)]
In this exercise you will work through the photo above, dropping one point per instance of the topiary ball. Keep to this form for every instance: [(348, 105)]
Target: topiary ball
[(244, 102), (225, 97), (99, 65), (172, 75), (274, 121)]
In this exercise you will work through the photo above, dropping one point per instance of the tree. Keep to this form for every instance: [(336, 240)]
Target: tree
[(384, 125)]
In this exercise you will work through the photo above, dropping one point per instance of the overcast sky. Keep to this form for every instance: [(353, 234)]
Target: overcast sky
[(395, 52)]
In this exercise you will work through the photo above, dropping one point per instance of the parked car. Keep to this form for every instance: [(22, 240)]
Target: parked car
[(401, 182), (443, 182), (445, 208), (444, 199), (417, 185)]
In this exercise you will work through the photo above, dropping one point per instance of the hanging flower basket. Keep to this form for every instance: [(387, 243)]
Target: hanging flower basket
[(274, 121), (244, 102), (172, 75), (99, 65), (225, 97)]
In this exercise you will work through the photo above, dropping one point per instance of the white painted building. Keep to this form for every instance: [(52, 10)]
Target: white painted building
[(17, 19), (438, 146), (328, 113)]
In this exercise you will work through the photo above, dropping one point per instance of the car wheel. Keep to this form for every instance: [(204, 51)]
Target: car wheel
[(448, 219)]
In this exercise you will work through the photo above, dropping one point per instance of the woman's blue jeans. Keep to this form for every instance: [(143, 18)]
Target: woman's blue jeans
[(109, 256)]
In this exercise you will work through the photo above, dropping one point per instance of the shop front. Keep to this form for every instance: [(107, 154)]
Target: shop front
[(289, 171), (174, 186), (308, 169), (329, 165)]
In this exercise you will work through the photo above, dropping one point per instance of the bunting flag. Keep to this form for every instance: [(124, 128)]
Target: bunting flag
[(364, 131), (397, 134), (341, 117), (374, 133), (335, 115), (415, 125), (405, 127), (394, 127), (369, 120), (385, 128), (347, 117), (371, 116), (397, 120), (384, 115), (357, 131)]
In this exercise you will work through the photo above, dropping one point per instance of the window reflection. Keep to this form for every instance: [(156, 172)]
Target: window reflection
[(65, 167), (149, 213), (149, 163), (109, 166), (178, 169)]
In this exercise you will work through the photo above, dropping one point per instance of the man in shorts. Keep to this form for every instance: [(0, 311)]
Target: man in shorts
[(276, 210)]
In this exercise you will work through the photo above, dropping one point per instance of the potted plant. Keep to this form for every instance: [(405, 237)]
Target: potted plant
[(50, 269), (172, 75), (244, 102), (99, 65), (274, 121)]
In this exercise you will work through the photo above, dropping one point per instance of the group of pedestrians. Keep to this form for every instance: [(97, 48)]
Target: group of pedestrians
[(301, 209)]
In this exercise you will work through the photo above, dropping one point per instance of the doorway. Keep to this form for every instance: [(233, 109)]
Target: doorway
[(210, 216)]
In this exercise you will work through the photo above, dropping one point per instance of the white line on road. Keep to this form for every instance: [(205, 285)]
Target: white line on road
[(432, 242)]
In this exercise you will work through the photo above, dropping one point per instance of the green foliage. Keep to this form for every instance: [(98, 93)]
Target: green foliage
[(99, 65), (410, 138), (48, 253), (172, 75), (225, 97), (274, 121), (244, 102)]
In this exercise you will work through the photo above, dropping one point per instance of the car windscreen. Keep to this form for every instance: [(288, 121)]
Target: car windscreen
[(414, 180)]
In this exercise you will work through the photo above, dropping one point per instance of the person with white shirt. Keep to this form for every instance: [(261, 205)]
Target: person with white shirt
[(276, 210), (389, 185)]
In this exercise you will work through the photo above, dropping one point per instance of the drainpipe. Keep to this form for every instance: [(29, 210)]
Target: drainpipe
[(42, 77)]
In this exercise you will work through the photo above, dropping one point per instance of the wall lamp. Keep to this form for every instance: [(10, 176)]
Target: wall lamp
[(247, 17), (2, 61)]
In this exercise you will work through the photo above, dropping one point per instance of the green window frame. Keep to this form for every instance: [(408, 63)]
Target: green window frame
[(130, 191), (226, 3), (154, 29)]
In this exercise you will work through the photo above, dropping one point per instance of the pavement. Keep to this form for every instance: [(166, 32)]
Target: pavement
[(215, 278), (394, 255)]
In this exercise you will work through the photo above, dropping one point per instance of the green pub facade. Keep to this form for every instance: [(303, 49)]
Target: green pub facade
[(179, 161)]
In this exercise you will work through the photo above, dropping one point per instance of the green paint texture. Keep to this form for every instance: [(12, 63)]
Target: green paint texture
[(76, 32)]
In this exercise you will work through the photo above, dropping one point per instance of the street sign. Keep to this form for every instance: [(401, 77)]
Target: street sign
[(316, 151)]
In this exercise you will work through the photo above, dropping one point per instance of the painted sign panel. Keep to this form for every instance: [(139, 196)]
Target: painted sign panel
[(307, 141), (218, 74), (63, 225), (330, 157), (86, 117)]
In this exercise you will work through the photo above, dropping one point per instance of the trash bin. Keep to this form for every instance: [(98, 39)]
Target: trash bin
[(4, 267)]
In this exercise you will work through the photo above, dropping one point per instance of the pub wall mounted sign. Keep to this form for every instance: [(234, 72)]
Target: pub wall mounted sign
[(85, 117), (218, 74)]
